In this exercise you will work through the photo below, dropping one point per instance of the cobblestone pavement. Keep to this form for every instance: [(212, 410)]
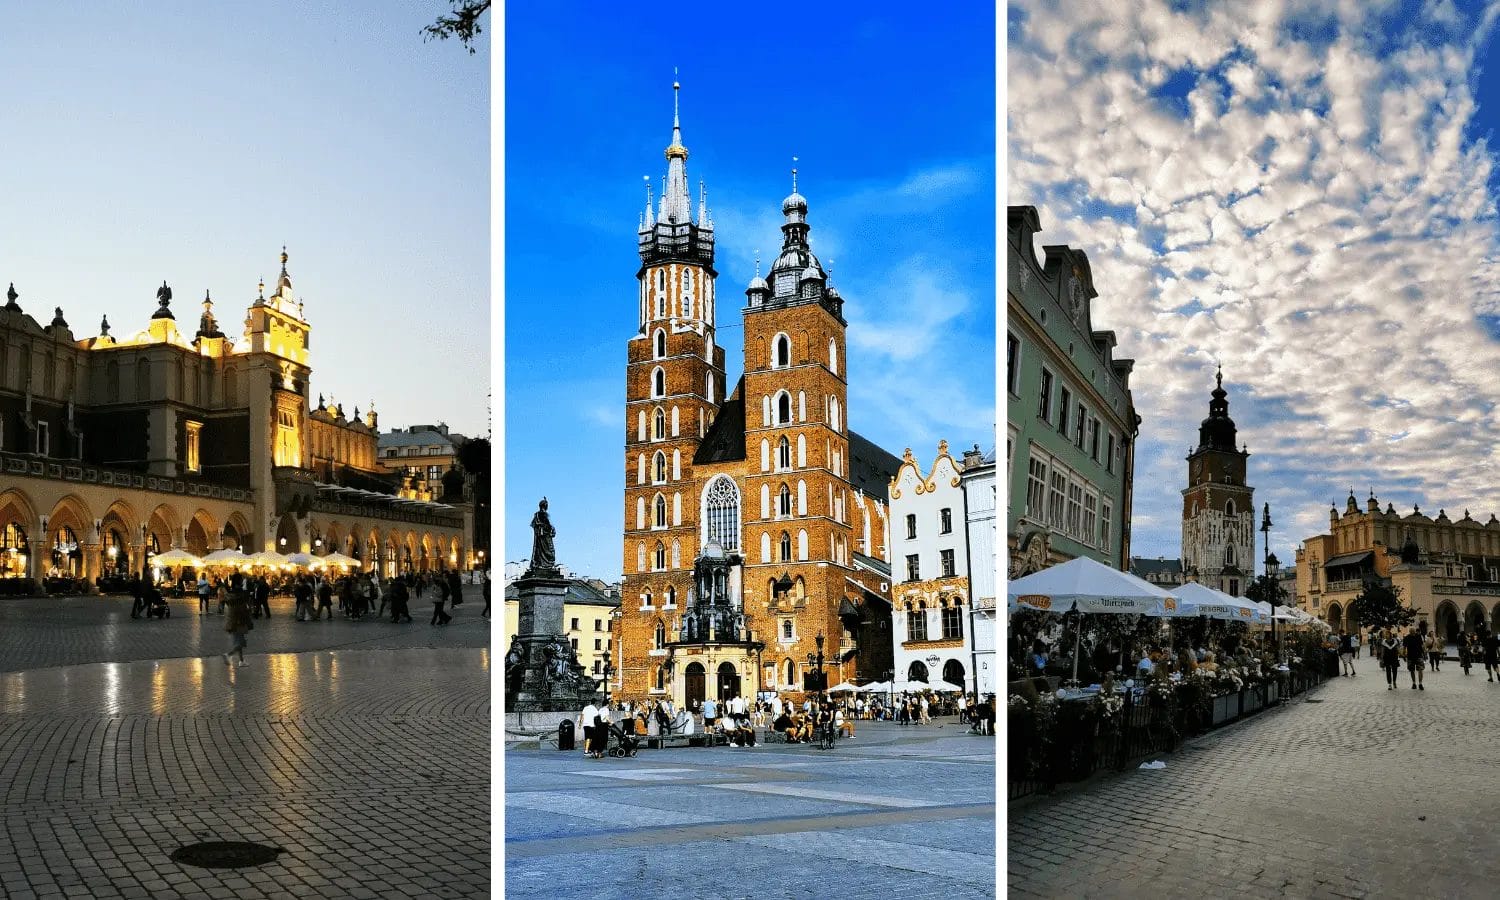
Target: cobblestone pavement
[(43, 631), (897, 812), (1365, 792), (368, 768)]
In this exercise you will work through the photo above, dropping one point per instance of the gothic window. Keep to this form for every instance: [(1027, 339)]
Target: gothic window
[(801, 498), (802, 544), (784, 501), (661, 511), (661, 279), (640, 468), (661, 675), (783, 453), (661, 556), (802, 452), (801, 406), (786, 546), (676, 562), (722, 513), (833, 356), (765, 548), (659, 431), (687, 306), (659, 468), (1229, 507), (661, 305), (784, 408), (659, 382), (676, 464), (1229, 554), (709, 387), (672, 591), (783, 352), (687, 280), (661, 635), (640, 558), (660, 343), (640, 512)]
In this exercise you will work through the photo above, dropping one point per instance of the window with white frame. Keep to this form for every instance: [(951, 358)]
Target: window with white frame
[(1104, 526), (1036, 487), (1090, 517), (1056, 498), (1075, 509)]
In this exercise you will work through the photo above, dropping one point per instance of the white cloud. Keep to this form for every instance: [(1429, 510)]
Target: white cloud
[(1317, 202)]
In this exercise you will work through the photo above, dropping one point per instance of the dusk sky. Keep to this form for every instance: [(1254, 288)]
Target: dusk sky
[(187, 142), (893, 120), (1304, 191)]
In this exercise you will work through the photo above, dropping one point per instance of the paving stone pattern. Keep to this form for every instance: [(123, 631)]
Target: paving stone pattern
[(369, 768), (1367, 793), (897, 812), (40, 632)]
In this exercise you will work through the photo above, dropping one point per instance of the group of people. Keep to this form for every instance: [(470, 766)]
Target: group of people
[(1419, 648)]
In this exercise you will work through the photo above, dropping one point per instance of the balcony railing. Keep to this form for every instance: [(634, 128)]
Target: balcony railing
[(72, 470)]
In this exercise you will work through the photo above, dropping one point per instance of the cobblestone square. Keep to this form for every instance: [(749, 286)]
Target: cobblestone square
[(361, 749), (896, 812), (1358, 791)]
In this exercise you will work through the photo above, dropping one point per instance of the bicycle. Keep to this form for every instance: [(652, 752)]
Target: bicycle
[(828, 736)]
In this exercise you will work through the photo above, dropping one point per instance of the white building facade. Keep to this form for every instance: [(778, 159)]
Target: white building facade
[(977, 480), (932, 609)]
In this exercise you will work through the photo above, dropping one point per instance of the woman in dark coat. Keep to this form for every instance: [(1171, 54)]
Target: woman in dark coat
[(237, 619), (1390, 658)]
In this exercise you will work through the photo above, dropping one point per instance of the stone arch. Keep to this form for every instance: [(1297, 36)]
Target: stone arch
[(332, 539), (70, 523), (409, 553), (428, 557), (1446, 620), (1335, 616), (288, 535), (119, 528), (1473, 616), (455, 553), (1495, 618), (237, 531), (917, 671), (204, 528), (953, 672), (164, 524)]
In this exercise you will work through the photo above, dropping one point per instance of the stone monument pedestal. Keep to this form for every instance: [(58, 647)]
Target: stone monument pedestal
[(542, 673)]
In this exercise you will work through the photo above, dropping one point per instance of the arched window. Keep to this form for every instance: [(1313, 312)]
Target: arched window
[(676, 555), (791, 665), (661, 679), (784, 408), (661, 279), (659, 382), (784, 501), (661, 635), (786, 546), (781, 352), (659, 468), (721, 513), (687, 306), (659, 427), (833, 356), (640, 558), (783, 453), (671, 594), (1228, 554), (661, 511), (661, 556), (786, 632), (687, 280), (802, 544), (660, 343), (1229, 507)]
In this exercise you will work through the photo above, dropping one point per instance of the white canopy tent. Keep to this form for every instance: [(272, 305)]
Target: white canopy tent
[(1089, 586), (1201, 600)]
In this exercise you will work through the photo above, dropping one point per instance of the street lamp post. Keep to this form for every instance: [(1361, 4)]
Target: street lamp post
[(815, 662), (608, 671), (1265, 540), (1273, 568)]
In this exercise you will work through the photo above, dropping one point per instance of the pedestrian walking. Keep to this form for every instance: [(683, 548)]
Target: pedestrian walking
[(400, 593), (486, 591), (302, 591), (138, 596), (1390, 658), (237, 622), (1465, 651), (586, 721), (1491, 645), (431, 590), (455, 588), (203, 591), (1347, 643), (262, 605), (1416, 660), (1435, 649), (325, 599)]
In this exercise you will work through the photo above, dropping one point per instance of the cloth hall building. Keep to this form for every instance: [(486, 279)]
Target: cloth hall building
[(115, 448), (755, 530)]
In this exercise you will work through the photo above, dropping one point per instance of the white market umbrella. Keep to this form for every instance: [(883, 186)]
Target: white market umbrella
[(176, 558), (947, 687), (874, 687), (267, 558), (902, 685), (843, 688), (230, 558), (1089, 586), (303, 560), (340, 560), (1200, 600)]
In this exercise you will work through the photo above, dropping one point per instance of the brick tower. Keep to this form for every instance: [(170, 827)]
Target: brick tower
[(1218, 507)]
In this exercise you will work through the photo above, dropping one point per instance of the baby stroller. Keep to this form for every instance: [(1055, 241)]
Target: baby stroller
[(624, 743), (156, 605)]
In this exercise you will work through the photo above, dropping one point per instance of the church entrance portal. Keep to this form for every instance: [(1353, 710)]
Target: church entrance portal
[(729, 682)]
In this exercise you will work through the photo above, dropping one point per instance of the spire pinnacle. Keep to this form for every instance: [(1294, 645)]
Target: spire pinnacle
[(794, 174), (283, 259), (757, 264)]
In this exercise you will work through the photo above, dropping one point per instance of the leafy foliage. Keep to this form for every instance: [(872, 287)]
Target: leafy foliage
[(1378, 606), (462, 22)]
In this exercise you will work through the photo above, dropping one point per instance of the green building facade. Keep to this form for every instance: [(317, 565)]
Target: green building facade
[(1071, 425)]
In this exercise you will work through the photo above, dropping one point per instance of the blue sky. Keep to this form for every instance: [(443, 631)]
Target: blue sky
[(188, 142), (892, 118), (1304, 190)]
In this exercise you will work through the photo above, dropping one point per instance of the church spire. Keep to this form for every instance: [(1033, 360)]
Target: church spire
[(675, 200)]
